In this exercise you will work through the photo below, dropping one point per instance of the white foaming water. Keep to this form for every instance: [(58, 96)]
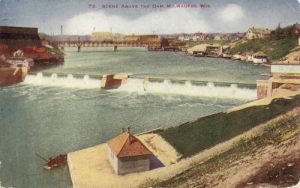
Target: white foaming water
[(69, 81), (139, 86), (208, 90)]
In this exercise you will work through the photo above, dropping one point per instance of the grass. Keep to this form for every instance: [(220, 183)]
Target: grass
[(193, 137), (275, 49), (150, 183), (194, 43), (274, 132)]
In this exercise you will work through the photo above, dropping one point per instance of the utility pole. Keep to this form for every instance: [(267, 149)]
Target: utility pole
[(78, 45), (61, 36)]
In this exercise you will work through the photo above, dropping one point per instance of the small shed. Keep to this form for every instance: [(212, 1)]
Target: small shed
[(127, 154)]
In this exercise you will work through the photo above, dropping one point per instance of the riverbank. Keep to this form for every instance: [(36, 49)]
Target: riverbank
[(269, 157), (174, 165), (270, 50), (193, 137)]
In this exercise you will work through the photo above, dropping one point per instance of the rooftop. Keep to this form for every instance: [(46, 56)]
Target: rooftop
[(260, 54), (260, 30), (127, 145)]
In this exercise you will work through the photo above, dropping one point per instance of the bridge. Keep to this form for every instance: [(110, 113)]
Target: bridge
[(62, 44)]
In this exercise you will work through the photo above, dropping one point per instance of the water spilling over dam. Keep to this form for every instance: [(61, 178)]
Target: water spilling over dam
[(135, 85)]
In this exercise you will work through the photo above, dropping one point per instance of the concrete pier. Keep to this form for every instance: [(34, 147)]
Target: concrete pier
[(90, 167)]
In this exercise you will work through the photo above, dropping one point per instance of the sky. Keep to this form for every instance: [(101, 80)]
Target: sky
[(85, 16)]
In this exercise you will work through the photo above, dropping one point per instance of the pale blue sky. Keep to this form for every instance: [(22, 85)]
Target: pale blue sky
[(78, 18)]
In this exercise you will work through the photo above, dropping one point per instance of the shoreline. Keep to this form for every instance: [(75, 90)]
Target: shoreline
[(176, 166)]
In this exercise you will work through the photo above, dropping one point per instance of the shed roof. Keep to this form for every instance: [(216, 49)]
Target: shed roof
[(127, 145)]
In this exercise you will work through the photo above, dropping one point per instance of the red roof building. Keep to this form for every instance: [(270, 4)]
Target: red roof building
[(127, 154)]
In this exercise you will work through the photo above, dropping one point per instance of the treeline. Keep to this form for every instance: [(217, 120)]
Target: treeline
[(282, 33)]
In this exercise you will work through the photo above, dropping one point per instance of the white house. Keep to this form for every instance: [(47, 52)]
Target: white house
[(199, 37), (258, 33), (185, 37), (258, 58)]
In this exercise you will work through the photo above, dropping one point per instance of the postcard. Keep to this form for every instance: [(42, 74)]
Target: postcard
[(149, 93)]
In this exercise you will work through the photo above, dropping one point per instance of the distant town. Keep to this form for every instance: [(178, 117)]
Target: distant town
[(238, 45)]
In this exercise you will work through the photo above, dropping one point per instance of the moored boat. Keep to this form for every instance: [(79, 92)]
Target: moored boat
[(56, 162)]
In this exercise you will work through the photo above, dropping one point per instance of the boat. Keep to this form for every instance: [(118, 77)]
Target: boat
[(56, 162), (13, 70)]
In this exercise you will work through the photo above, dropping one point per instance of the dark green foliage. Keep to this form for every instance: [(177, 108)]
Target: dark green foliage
[(275, 49), (193, 137), (281, 33), (273, 132)]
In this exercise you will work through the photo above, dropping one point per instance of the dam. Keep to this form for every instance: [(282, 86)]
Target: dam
[(159, 86), (63, 109)]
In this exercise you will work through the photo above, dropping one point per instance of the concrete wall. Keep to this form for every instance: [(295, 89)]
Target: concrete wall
[(133, 164), (262, 88), (113, 160), (289, 69)]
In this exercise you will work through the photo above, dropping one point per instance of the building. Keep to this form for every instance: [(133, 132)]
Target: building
[(235, 36), (258, 33), (198, 37), (185, 37), (19, 37), (142, 38), (284, 76), (127, 154), (213, 50), (106, 36), (217, 37), (258, 58), (296, 30)]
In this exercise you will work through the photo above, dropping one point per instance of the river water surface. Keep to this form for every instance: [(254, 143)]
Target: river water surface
[(50, 114)]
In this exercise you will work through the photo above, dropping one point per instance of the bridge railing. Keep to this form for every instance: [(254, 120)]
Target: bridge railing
[(104, 43)]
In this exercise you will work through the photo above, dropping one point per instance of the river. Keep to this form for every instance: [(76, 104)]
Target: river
[(50, 114)]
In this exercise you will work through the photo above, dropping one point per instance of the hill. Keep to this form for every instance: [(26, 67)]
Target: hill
[(275, 49)]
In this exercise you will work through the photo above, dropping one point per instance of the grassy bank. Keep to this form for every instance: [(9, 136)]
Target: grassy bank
[(193, 137), (286, 130), (275, 49), (195, 43)]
